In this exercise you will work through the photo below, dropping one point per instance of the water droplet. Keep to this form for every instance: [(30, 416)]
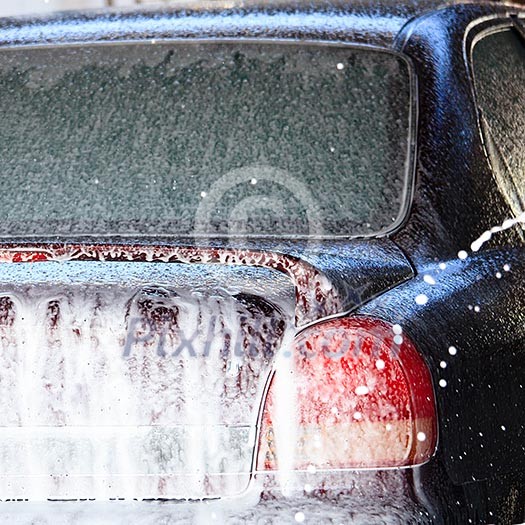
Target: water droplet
[(397, 329), (421, 299), (429, 279), (380, 364)]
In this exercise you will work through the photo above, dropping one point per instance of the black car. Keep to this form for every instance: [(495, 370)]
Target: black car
[(263, 263)]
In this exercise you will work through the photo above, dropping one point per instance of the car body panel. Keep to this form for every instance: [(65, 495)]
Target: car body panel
[(330, 281)]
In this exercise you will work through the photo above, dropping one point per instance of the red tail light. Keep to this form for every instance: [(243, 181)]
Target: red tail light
[(362, 398)]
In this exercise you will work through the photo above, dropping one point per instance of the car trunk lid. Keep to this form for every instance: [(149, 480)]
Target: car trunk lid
[(126, 380)]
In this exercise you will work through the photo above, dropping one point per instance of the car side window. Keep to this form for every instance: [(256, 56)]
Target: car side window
[(498, 62)]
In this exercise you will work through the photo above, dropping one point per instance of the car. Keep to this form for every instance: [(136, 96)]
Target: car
[(263, 263)]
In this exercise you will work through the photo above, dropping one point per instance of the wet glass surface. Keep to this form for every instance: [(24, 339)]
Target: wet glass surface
[(202, 138), (499, 67)]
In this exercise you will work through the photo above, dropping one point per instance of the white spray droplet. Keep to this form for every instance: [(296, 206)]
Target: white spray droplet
[(397, 329), (429, 279), (421, 299), (361, 390), (380, 364)]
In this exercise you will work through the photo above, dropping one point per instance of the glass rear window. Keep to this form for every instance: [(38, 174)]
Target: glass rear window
[(212, 139)]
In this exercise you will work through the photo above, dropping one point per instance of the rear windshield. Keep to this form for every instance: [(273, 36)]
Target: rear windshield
[(173, 139)]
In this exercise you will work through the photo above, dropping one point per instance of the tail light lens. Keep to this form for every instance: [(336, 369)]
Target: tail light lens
[(356, 394)]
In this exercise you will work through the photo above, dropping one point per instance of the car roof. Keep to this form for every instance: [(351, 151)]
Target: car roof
[(371, 22)]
